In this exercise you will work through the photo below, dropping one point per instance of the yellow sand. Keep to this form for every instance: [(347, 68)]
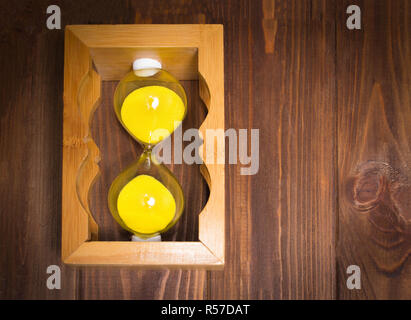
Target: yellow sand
[(146, 205), (152, 113)]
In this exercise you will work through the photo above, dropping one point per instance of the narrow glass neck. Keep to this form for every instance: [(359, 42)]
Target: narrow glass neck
[(147, 161)]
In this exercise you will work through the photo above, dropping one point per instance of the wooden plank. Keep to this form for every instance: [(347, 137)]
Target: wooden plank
[(77, 66), (164, 254), (120, 36), (281, 221), (129, 283), (80, 153), (374, 150), (30, 157), (211, 70)]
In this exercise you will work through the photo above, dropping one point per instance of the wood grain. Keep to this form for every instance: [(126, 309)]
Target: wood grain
[(114, 63), (211, 76), (87, 101), (374, 150), (278, 70)]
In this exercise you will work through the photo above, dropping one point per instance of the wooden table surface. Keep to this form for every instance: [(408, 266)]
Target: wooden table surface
[(334, 186)]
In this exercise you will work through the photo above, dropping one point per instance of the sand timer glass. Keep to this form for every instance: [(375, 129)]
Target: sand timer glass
[(146, 199)]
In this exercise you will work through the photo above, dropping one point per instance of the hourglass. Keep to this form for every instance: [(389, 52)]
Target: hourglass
[(146, 199)]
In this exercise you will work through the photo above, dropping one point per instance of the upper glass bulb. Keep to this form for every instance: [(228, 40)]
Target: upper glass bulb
[(150, 104)]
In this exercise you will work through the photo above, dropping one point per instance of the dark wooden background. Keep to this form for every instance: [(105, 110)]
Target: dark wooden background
[(333, 189)]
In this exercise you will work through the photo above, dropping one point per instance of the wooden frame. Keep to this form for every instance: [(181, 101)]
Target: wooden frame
[(187, 51)]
